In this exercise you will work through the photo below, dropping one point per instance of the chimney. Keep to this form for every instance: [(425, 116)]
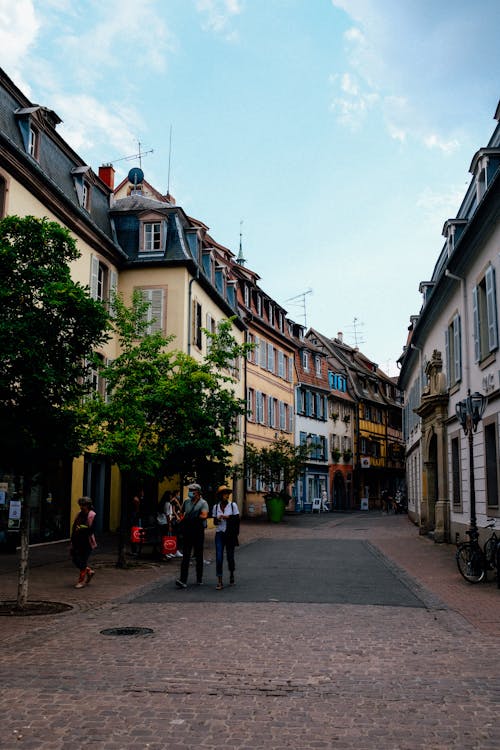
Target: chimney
[(340, 337), (107, 175)]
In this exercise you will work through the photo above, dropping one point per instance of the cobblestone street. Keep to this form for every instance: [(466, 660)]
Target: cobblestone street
[(256, 674)]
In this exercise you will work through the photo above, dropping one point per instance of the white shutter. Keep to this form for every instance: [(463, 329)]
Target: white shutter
[(94, 275), (113, 285), (477, 338), (457, 348), (263, 353), (491, 307), (156, 311)]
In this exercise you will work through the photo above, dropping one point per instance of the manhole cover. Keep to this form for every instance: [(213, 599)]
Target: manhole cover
[(127, 631)]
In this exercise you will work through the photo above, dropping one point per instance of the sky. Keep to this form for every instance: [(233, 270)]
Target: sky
[(334, 135)]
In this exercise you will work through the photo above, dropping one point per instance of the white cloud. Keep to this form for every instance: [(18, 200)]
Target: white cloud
[(19, 28), (435, 141), (437, 207), (218, 15), (88, 124), (414, 50)]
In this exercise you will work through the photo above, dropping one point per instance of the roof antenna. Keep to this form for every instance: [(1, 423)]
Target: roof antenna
[(301, 301), (134, 156)]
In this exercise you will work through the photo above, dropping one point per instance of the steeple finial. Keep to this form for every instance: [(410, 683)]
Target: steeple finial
[(241, 259)]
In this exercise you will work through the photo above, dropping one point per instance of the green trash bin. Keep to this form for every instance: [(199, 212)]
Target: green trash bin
[(275, 509)]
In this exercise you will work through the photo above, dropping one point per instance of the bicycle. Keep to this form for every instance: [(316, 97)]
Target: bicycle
[(490, 548), (474, 562)]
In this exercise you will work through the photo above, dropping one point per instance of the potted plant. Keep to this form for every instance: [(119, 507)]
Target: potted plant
[(335, 415), (335, 455), (277, 466), (347, 456), (346, 419)]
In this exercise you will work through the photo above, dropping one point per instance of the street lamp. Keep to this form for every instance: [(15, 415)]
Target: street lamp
[(469, 412)]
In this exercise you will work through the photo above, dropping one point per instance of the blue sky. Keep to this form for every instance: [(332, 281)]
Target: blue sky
[(340, 132)]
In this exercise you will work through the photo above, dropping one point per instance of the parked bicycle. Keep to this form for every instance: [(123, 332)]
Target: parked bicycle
[(474, 562)]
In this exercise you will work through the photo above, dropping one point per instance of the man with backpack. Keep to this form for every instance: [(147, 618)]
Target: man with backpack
[(195, 513), (227, 521)]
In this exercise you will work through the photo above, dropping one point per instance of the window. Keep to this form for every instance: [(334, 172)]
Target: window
[(317, 363), (33, 142), (455, 471), (271, 314), (281, 364), (86, 195), (283, 420), (155, 314), (246, 295), (368, 412), (453, 348), (271, 415), (258, 304), (251, 404), (197, 324), (491, 459), (259, 407), (3, 195), (270, 358), (484, 306), (151, 236), (305, 361), (97, 383)]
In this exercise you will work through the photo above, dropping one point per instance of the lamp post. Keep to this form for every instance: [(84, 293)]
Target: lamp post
[(469, 412)]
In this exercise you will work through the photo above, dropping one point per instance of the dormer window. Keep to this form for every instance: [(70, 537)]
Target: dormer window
[(246, 295), (271, 314), (258, 305)]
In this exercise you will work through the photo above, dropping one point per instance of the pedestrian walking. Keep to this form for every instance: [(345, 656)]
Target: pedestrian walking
[(195, 513), (226, 517), (83, 541)]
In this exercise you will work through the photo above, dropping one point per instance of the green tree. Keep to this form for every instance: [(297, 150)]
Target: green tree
[(165, 413), (49, 328), (277, 466)]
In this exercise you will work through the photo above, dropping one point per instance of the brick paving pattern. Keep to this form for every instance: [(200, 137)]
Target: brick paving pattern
[(256, 675)]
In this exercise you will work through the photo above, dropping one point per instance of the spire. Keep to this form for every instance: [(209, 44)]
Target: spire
[(240, 259)]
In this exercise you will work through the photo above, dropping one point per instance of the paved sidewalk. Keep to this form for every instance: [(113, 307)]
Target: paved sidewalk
[(254, 675), (431, 565)]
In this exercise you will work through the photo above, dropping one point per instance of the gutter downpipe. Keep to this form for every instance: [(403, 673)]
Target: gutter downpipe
[(466, 323)]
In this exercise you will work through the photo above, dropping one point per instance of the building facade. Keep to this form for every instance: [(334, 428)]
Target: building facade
[(452, 349)]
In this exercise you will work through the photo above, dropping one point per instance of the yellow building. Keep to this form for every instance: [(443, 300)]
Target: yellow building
[(131, 238), (270, 375)]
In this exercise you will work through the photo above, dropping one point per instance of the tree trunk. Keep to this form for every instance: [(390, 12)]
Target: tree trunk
[(23, 577)]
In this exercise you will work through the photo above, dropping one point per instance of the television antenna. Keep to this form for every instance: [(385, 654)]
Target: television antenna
[(300, 300), (355, 333), (135, 156)]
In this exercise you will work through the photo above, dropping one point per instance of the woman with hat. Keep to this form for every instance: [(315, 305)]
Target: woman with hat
[(227, 521)]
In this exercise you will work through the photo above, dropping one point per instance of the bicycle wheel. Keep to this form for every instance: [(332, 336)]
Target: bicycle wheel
[(470, 562), (490, 552)]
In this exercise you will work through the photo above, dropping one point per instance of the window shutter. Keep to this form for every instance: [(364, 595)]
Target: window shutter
[(270, 357), (156, 317), (457, 348), (94, 275), (263, 353), (447, 356), (477, 338), (491, 306), (113, 284)]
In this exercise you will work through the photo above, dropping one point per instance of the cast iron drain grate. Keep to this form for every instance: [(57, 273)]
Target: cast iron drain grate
[(127, 631)]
